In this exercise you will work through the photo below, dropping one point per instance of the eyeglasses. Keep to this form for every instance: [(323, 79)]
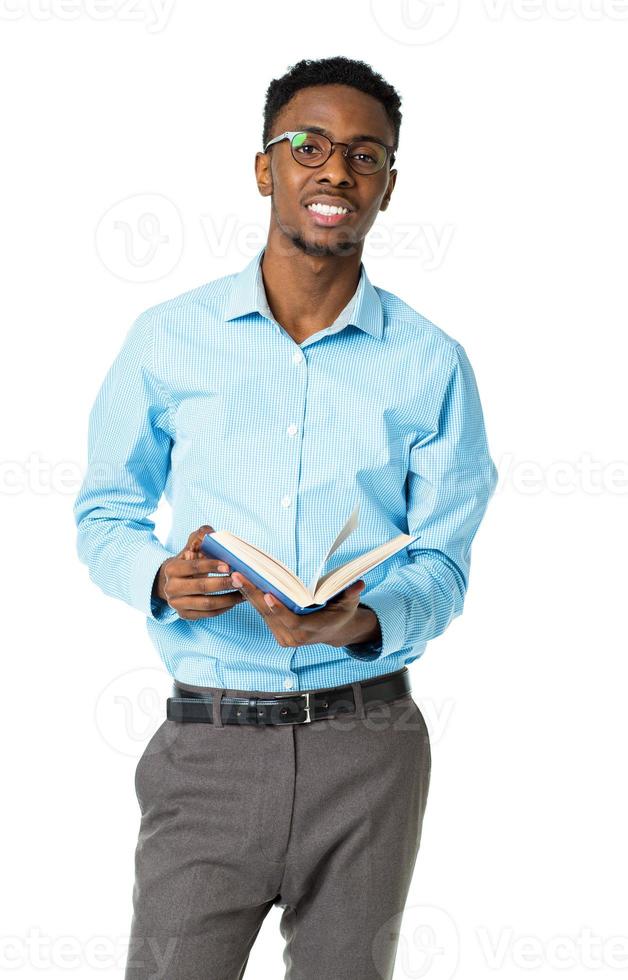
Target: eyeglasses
[(314, 149)]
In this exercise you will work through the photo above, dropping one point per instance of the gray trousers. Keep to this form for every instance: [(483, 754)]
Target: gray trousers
[(321, 819)]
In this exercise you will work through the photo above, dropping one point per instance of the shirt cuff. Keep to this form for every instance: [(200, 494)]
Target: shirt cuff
[(390, 611), (363, 651), (369, 650), (147, 564)]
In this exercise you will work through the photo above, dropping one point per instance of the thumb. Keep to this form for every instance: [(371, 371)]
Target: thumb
[(357, 589), (195, 538)]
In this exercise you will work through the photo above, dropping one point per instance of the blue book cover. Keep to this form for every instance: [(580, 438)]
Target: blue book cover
[(281, 582)]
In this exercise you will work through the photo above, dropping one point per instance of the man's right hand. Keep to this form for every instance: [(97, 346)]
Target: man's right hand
[(183, 582)]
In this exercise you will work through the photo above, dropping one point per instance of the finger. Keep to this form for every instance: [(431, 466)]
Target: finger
[(350, 595), (254, 595), (278, 615), (185, 568), (197, 536), (346, 601), (202, 585), (205, 603), (282, 626), (206, 613)]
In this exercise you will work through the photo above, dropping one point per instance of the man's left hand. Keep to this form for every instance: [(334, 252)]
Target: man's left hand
[(333, 625)]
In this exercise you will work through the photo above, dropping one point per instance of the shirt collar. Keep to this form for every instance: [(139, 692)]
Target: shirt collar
[(247, 295)]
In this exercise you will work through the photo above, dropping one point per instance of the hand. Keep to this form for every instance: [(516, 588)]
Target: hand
[(334, 625), (182, 581)]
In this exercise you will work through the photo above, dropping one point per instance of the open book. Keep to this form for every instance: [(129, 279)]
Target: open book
[(273, 576)]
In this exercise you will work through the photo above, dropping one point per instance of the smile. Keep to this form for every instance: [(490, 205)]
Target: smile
[(326, 215), (327, 209)]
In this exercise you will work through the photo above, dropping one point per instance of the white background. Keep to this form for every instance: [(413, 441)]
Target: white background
[(507, 228)]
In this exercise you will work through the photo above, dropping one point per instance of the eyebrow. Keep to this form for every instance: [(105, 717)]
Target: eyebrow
[(325, 132)]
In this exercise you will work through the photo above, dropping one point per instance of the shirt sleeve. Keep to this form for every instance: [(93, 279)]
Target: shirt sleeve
[(365, 651), (451, 478), (129, 446)]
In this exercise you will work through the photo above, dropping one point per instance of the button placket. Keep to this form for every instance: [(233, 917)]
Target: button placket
[(292, 430)]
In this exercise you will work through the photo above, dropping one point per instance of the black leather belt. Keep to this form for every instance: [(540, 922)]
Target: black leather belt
[(297, 708)]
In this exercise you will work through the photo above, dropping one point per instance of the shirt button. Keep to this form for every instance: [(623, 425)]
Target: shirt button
[(297, 357), (285, 501), (292, 430), (288, 683)]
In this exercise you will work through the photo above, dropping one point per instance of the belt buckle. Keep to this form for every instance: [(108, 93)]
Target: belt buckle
[(301, 694)]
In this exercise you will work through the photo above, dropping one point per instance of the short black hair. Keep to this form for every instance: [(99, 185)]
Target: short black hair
[(330, 71)]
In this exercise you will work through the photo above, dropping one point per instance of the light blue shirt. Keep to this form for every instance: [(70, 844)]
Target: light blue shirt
[(212, 403)]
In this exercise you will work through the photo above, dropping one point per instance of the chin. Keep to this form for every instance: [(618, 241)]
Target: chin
[(310, 247)]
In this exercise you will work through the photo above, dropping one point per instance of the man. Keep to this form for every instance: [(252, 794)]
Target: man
[(293, 765)]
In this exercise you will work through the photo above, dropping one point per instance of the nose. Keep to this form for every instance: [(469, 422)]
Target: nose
[(336, 170)]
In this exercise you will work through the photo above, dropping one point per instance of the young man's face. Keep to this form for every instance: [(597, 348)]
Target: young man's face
[(344, 113)]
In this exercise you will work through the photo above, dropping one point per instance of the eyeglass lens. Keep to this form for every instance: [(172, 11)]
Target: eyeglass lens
[(312, 149)]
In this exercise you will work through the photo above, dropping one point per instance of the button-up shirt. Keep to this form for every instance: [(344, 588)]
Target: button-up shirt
[(213, 404)]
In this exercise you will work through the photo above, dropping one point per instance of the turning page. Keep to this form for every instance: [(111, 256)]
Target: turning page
[(349, 527)]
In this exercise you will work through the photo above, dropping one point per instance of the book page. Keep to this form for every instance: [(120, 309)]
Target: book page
[(267, 566), (248, 552), (350, 526), (340, 578)]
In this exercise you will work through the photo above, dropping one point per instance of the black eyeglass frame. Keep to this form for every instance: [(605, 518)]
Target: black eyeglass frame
[(290, 134)]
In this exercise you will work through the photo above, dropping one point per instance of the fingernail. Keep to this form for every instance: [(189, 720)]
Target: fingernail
[(223, 568)]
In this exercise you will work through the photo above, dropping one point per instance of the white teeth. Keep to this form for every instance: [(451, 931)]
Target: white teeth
[(327, 209)]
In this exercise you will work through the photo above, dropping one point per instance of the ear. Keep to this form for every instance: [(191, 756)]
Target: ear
[(392, 179), (263, 175)]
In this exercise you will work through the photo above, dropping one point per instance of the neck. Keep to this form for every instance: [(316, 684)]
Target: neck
[(307, 292)]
